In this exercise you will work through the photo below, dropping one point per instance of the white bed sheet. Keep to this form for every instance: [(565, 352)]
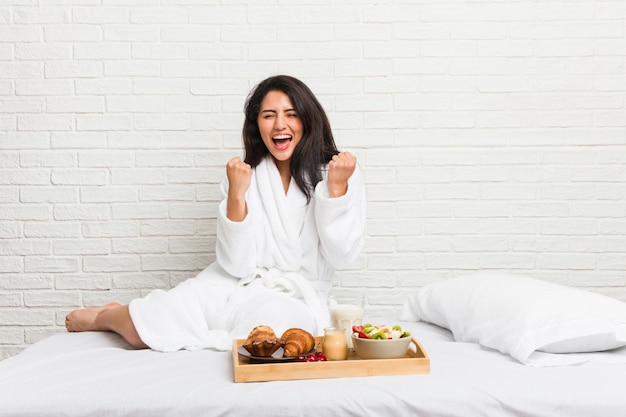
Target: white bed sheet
[(97, 374)]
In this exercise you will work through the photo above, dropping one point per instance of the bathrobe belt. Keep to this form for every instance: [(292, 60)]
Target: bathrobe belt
[(293, 284)]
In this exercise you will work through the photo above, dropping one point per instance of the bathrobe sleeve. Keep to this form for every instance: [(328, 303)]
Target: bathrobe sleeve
[(340, 221), (235, 247)]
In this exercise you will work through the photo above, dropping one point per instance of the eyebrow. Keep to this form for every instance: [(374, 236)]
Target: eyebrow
[(274, 111)]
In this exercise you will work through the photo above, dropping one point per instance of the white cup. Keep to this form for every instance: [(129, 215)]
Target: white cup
[(346, 311)]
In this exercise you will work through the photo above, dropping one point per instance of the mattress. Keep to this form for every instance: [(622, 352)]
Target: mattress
[(98, 374)]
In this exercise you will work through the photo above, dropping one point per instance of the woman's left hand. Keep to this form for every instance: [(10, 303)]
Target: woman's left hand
[(340, 168)]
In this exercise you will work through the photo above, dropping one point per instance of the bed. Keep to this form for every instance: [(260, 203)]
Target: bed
[(98, 374)]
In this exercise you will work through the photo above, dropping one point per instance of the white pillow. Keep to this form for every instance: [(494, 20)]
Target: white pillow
[(520, 316)]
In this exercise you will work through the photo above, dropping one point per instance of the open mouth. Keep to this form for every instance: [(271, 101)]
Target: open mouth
[(281, 142)]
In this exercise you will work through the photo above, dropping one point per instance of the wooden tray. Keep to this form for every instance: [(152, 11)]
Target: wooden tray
[(416, 361)]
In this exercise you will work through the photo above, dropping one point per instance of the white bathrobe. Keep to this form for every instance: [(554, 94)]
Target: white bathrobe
[(273, 268)]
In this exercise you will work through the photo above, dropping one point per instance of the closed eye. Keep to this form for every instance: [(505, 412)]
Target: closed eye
[(266, 114)]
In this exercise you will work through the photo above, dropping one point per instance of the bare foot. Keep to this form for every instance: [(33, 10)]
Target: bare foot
[(84, 320)]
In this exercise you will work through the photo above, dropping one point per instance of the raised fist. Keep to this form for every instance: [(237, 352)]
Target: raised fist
[(340, 168), (239, 174)]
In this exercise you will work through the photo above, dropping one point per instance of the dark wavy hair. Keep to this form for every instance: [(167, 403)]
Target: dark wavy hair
[(317, 146)]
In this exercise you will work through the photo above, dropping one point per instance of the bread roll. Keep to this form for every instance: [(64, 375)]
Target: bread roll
[(297, 342), (262, 341)]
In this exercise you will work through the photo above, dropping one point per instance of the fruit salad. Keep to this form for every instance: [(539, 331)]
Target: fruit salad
[(369, 331)]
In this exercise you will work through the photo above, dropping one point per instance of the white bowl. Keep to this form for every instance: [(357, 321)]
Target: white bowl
[(380, 348)]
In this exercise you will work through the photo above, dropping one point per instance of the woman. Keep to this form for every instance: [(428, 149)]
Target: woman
[(293, 212)]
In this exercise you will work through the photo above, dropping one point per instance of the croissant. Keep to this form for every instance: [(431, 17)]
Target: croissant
[(297, 342), (262, 341)]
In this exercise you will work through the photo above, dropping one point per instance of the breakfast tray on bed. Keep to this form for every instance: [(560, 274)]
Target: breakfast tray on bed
[(416, 361)]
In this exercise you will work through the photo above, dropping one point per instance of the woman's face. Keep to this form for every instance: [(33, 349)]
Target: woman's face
[(280, 125)]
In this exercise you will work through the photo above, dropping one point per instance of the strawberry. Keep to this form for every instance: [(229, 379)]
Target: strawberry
[(357, 329)]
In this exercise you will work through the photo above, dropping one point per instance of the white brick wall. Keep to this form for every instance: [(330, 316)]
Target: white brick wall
[(492, 135)]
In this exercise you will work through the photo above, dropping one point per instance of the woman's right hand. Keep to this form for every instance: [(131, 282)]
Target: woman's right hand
[(239, 175)]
